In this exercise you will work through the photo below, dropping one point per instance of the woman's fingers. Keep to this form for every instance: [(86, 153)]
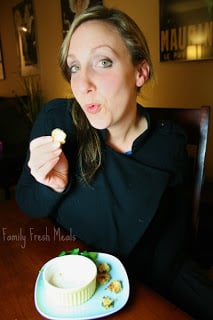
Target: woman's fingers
[(47, 163), (37, 142), (43, 149), (44, 154), (41, 173)]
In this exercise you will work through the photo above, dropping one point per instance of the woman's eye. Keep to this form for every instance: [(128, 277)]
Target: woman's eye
[(105, 63), (74, 69)]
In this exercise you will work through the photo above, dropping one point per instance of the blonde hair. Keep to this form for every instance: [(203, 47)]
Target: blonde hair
[(135, 41)]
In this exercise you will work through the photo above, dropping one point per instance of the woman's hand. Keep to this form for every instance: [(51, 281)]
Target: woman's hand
[(48, 164)]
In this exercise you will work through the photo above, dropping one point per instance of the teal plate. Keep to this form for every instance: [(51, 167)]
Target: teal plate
[(92, 309)]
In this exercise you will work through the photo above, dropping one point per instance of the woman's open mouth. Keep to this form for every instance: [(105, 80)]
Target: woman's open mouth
[(93, 108)]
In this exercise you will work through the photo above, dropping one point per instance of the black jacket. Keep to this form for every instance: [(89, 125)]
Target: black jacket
[(123, 200)]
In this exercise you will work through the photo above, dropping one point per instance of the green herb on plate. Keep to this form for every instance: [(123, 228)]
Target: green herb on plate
[(88, 254)]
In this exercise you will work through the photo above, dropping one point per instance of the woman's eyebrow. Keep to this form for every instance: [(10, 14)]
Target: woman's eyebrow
[(72, 57), (104, 47)]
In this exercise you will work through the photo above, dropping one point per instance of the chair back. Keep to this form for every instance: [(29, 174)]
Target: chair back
[(195, 123)]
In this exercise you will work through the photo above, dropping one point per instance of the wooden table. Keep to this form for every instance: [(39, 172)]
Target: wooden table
[(27, 243)]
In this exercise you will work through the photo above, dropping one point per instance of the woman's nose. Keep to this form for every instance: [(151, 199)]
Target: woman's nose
[(85, 82)]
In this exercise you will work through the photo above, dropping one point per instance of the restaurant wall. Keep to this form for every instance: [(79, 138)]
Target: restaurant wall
[(187, 84)]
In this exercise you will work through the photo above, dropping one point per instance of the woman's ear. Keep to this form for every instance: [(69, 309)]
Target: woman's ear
[(142, 73)]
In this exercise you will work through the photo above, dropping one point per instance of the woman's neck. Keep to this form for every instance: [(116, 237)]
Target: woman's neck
[(121, 139)]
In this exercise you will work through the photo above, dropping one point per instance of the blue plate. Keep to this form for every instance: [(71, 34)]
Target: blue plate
[(92, 309)]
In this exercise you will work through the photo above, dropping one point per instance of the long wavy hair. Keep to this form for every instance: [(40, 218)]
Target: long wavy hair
[(135, 41)]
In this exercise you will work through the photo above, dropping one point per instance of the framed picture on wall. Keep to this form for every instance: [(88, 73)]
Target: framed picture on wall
[(2, 73), (24, 20), (70, 8), (186, 30)]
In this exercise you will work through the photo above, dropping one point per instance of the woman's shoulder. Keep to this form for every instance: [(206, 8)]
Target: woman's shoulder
[(58, 104), (161, 126), (54, 114), (169, 128), (57, 113)]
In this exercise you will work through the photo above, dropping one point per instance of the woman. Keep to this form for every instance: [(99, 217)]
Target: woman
[(118, 181)]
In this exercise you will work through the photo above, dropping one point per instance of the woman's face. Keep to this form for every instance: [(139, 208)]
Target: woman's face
[(103, 78)]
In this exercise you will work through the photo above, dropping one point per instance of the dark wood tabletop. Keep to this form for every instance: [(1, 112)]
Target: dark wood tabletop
[(26, 244)]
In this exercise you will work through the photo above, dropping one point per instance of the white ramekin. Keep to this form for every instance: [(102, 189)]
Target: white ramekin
[(69, 280)]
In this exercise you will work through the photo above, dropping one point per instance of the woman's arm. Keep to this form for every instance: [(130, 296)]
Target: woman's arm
[(44, 179)]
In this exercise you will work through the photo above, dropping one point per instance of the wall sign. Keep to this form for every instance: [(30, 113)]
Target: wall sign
[(186, 30)]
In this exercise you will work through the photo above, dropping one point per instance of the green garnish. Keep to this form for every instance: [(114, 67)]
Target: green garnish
[(91, 255), (87, 254), (62, 253)]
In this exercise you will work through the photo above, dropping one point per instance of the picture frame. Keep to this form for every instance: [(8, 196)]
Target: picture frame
[(186, 30), (25, 28), (70, 8), (2, 71)]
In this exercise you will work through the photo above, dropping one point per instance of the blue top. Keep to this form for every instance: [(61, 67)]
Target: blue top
[(127, 153)]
